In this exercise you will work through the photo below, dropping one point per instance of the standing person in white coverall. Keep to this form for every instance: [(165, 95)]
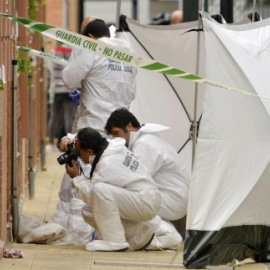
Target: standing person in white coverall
[(105, 84), (122, 196), (160, 158)]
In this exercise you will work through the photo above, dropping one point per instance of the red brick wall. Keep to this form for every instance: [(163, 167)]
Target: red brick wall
[(6, 45), (54, 16), (8, 53)]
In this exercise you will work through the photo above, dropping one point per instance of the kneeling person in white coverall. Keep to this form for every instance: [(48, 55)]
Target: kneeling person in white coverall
[(160, 158), (122, 196)]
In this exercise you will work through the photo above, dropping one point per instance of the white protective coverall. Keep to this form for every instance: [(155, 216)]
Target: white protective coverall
[(167, 170), (106, 85), (123, 199), (69, 213)]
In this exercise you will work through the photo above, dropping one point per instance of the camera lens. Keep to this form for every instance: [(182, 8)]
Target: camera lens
[(63, 159)]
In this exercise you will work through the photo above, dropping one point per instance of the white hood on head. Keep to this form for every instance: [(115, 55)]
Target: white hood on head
[(151, 128), (115, 145), (146, 128)]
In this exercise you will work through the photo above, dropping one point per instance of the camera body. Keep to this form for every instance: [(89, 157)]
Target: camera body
[(66, 158)]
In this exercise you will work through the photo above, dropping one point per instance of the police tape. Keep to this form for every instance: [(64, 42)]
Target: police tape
[(44, 55), (110, 52)]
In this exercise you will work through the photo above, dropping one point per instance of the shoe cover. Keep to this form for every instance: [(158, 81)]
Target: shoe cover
[(26, 224), (139, 235), (45, 234), (166, 237), (101, 245)]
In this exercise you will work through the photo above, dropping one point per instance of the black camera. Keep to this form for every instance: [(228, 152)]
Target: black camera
[(66, 158)]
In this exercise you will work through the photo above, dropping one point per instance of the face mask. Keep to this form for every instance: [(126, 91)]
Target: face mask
[(91, 159)]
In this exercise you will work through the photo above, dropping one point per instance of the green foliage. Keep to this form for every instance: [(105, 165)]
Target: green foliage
[(33, 8), (1, 85), (24, 64)]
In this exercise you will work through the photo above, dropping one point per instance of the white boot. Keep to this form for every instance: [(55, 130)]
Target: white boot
[(140, 235), (166, 237), (101, 245)]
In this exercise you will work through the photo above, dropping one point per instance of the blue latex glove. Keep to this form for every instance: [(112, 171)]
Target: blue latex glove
[(75, 96)]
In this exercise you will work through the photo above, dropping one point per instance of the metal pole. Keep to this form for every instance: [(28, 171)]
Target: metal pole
[(226, 10), (135, 9), (190, 10), (142, 264), (43, 118), (81, 14), (15, 208), (194, 127), (205, 6), (253, 13), (31, 139), (118, 11)]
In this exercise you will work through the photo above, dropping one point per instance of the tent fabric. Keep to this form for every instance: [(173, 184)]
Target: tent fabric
[(229, 205), (161, 99)]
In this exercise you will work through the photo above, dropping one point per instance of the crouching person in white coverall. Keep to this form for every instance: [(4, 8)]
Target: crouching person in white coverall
[(123, 198), (160, 158)]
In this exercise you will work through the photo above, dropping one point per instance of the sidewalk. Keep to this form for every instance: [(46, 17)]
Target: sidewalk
[(43, 257), (52, 257)]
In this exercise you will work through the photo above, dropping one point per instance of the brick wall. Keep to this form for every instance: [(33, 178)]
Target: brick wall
[(6, 45), (63, 14), (14, 169)]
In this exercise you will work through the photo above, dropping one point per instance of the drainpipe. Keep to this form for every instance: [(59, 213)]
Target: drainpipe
[(226, 10), (118, 13), (31, 139), (81, 14), (43, 118), (134, 9), (15, 202)]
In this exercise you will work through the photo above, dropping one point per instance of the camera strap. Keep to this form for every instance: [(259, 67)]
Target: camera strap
[(104, 145)]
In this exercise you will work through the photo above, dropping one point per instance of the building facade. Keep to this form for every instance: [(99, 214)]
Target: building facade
[(21, 113)]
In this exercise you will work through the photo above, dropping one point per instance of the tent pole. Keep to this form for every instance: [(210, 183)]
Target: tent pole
[(195, 124)]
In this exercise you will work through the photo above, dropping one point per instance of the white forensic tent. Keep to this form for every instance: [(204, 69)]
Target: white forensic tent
[(229, 207), (163, 99)]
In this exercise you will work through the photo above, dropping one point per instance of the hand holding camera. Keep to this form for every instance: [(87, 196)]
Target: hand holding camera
[(63, 145), (69, 158), (72, 170)]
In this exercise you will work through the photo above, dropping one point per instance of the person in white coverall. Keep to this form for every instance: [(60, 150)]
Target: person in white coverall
[(69, 207), (160, 158), (103, 88), (122, 196), (105, 84)]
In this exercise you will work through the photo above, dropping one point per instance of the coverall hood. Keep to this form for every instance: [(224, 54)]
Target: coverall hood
[(146, 128)]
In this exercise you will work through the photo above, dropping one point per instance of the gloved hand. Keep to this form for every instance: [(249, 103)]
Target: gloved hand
[(75, 96)]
